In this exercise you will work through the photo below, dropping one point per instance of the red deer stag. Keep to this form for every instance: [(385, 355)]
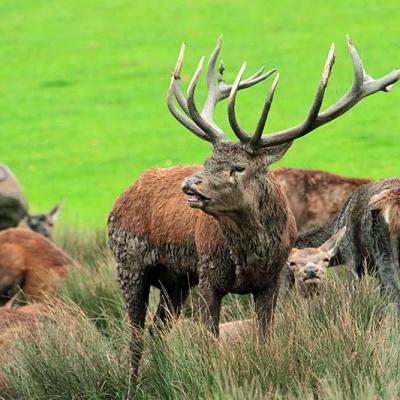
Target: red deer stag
[(14, 207), (237, 232), (31, 262)]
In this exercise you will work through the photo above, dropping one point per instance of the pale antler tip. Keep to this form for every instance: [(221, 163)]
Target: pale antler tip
[(179, 62), (350, 42)]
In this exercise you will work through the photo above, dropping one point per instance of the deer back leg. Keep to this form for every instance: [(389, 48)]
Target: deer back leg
[(170, 304), (135, 285), (382, 250)]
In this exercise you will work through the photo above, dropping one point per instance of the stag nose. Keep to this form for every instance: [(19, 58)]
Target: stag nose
[(311, 271), (190, 181)]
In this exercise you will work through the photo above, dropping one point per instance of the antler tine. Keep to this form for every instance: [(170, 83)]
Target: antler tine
[(173, 90), (219, 90), (252, 80), (264, 114), (210, 128), (307, 125), (363, 86), (239, 132)]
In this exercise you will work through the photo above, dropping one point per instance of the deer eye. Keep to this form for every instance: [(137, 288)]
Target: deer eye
[(326, 259), (292, 264), (238, 168)]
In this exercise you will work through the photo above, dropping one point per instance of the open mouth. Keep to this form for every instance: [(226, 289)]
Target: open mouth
[(311, 280), (195, 198)]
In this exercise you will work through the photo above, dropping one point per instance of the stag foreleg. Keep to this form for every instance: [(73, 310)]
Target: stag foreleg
[(265, 304), (210, 306)]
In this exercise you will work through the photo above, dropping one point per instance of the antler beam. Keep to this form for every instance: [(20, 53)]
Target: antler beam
[(201, 123), (363, 86)]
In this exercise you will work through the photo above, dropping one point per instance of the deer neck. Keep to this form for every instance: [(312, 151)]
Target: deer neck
[(250, 233)]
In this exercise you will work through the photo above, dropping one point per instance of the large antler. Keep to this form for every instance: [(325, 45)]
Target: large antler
[(201, 123), (363, 86)]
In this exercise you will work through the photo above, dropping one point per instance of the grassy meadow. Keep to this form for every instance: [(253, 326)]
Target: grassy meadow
[(83, 113), (338, 346)]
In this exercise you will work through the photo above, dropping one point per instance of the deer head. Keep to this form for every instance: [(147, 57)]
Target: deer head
[(309, 265), (44, 223), (236, 171)]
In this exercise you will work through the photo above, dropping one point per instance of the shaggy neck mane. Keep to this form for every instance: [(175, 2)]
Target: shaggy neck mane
[(250, 234)]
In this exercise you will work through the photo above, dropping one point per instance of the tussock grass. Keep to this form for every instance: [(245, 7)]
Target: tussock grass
[(339, 346)]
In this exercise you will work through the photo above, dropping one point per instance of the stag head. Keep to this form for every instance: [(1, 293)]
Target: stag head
[(236, 170)]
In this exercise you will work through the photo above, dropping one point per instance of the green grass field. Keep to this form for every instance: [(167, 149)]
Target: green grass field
[(83, 84)]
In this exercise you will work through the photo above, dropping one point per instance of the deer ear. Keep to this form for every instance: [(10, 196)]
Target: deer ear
[(275, 153), (331, 246), (55, 212)]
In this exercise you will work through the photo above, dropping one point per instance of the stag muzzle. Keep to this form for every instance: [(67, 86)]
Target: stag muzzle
[(190, 187)]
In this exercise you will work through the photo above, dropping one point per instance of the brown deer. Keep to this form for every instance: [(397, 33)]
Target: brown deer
[(237, 232), (14, 207), (307, 266), (315, 196), (30, 262)]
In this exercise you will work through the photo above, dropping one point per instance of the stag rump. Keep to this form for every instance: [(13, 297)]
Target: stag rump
[(238, 232)]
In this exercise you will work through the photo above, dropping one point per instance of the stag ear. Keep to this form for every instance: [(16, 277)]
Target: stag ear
[(55, 212), (275, 153), (331, 246)]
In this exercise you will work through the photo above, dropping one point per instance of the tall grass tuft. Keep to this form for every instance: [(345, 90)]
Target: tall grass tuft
[(343, 345)]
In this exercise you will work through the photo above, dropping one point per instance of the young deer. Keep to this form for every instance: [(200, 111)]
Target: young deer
[(307, 266), (372, 238), (30, 262), (237, 232), (14, 207)]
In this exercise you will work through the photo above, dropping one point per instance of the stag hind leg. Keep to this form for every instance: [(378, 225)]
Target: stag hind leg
[(170, 305), (134, 280)]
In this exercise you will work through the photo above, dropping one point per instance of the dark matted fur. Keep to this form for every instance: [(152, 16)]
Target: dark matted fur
[(315, 196), (236, 243), (371, 242)]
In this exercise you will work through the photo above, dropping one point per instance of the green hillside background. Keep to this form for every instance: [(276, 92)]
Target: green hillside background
[(83, 84)]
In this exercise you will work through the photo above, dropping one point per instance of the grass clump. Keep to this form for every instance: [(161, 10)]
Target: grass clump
[(343, 345)]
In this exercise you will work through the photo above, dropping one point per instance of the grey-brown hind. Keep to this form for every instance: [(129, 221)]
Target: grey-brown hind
[(371, 243)]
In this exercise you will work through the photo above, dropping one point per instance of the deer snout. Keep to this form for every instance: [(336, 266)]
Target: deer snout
[(190, 181), (311, 271)]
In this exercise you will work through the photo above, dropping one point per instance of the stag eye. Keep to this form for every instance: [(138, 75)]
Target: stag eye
[(238, 168), (292, 264), (325, 260)]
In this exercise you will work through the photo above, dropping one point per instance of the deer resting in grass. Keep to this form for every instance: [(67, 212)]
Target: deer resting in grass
[(14, 207), (31, 263), (237, 231)]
